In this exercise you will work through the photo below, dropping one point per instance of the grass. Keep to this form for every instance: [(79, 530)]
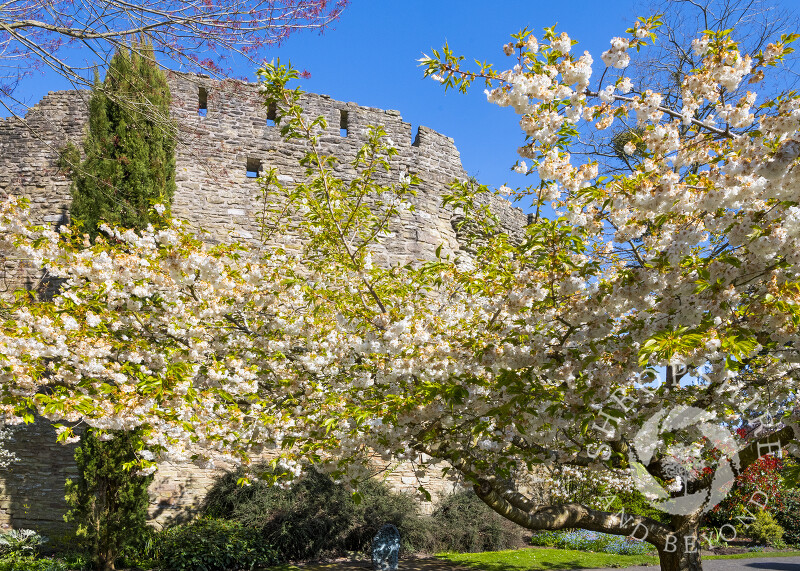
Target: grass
[(534, 559), (754, 554), (530, 559)]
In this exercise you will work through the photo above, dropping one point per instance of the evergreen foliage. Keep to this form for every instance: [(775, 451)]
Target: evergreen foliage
[(317, 517), (129, 149), (765, 529), (464, 523), (789, 517), (214, 545), (129, 165), (109, 502)]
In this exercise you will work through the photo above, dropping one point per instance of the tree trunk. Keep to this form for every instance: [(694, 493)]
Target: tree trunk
[(680, 560), (682, 549), (678, 543)]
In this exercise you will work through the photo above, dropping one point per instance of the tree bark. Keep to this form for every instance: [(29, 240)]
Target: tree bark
[(681, 551), (680, 560)]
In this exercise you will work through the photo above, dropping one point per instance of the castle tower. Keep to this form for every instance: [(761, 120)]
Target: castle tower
[(226, 136)]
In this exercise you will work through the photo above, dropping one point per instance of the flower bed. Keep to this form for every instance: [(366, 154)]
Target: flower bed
[(584, 540)]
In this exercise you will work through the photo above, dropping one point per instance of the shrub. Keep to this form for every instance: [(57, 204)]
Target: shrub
[(759, 479), (317, 517), (21, 542), (765, 529), (789, 517), (380, 505), (419, 534), (712, 537), (304, 522), (546, 538), (465, 523), (214, 545), (148, 552), (18, 562), (109, 502), (634, 502)]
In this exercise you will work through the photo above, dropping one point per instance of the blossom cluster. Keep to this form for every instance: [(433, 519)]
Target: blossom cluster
[(686, 256), (7, 457)]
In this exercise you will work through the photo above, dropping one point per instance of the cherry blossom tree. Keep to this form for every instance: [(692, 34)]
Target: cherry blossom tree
[(755, 24), (192, 36), (7, 457), (664, 65), (537, 347), (677, 233)]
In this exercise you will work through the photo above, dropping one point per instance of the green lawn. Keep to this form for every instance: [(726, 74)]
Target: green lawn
[(531, 559), (753, 554)]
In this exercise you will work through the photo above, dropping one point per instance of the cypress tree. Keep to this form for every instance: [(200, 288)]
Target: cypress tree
[(129, 149), (109, 502), (129, 165)]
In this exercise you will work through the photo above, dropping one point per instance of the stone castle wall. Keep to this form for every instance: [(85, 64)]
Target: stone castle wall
[(216, 147)]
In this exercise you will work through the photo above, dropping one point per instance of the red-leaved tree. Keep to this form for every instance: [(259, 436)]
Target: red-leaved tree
[(760, 486)]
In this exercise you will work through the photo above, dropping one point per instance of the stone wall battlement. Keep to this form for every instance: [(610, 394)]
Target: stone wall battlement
[(228, 137)]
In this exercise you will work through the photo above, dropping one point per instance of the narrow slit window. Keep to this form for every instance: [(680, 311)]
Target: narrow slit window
[(343, 123), (202, 102), (253, 168), (271, 114)]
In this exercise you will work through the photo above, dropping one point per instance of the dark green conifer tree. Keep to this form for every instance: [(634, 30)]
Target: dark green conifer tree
[(129, 148), (129, 165), (109, 502)]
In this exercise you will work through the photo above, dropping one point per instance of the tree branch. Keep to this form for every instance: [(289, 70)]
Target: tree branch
[(567, 516)]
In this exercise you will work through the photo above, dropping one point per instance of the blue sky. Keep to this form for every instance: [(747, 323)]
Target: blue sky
[(370, 54), (370, 58)]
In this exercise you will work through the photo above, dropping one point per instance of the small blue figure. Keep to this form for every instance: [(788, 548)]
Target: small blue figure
[(386, 548)]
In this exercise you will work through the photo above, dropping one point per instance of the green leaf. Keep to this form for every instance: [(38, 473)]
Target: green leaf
[(425, 493)]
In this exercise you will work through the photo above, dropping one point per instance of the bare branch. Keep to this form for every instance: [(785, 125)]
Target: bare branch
[(192, 36)]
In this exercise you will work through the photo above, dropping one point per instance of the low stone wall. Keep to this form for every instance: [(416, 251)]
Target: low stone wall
[(32, 489)]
